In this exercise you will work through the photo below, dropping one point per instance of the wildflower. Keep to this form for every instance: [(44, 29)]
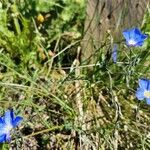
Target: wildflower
[(134, 37), (143, 92), (114, 53), (7, 123), (40, 18)]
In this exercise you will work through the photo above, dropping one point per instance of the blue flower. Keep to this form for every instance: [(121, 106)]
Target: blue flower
[(134, 37), (143, 92), (7, 123), (114, 53)]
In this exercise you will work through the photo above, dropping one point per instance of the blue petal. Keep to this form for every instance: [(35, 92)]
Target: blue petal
[(8, 137), (2, 131), (16, 121), (140, 43), (137, 31), (136, 35), (140, 94), (148, 101), (144, 83), (9, 116), (114, 53), (148, 85), (126, 34), (139, 34), (133, 33), (144, 36), (140, 39), (3, 138), (1, 121)]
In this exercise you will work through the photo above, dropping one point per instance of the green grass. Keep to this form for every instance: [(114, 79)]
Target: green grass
[(64, 105)]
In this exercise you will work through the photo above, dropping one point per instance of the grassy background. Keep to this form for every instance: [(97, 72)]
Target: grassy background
[(64, 107)]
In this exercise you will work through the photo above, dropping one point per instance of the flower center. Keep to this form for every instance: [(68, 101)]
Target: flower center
[(147, 94), (132, 42), (8, 128)]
